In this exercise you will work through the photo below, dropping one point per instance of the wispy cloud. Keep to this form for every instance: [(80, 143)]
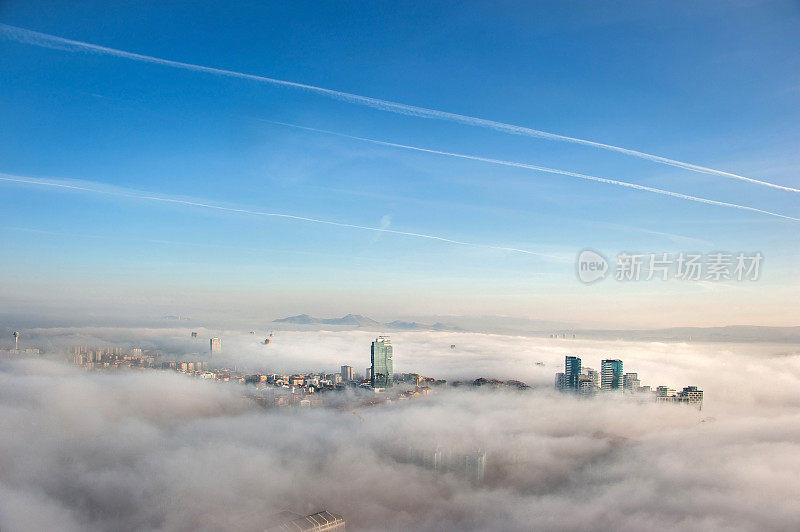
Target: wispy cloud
[(100, 188), (386, 221), (59, 43), (675, 238), (541, 169)]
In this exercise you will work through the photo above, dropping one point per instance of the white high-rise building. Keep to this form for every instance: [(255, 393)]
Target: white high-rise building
[(593, 375), (347, 373), (631, 382), (215, 345)]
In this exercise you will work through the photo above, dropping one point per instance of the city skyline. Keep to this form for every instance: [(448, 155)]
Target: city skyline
[(309, 389), (613, 381)]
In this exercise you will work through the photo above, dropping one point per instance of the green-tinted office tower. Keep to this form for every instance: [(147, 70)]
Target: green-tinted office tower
[(611, 375), (382, 368)]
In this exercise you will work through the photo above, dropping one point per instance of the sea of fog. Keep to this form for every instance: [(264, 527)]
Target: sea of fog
[(157, 450)]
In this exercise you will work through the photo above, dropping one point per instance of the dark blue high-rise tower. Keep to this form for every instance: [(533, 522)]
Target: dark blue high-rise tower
[(572, 370)]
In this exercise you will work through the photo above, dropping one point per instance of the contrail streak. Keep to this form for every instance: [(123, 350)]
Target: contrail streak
[(95, 188), (59, 43), (539, 169)]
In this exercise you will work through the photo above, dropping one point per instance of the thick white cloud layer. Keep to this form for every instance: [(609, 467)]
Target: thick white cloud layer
[(161, 451)]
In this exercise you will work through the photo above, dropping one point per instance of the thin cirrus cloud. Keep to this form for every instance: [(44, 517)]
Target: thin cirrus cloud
[(541, 169), (45, 40), (100, 188)]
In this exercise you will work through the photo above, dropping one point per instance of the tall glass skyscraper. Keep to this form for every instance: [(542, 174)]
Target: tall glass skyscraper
[(611, 375), (572, 370), (382, 368)]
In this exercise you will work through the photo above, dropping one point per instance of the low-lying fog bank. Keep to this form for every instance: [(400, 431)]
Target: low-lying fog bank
[(157, 450)]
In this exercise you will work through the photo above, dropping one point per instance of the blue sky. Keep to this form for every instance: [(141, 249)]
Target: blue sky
[(716, 85)]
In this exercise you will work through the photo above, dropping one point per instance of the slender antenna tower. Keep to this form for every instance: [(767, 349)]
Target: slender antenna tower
[(15, 334)]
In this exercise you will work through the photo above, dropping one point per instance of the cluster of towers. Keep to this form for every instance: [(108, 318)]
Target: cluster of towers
[(588, 381), (380, 372)]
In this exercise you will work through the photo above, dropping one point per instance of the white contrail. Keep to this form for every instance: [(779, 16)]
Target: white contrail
[(99, 188), (539, 169), (59, 43)]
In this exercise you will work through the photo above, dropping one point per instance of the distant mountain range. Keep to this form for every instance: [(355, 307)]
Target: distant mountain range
[(351, 319), (357, 320), (543, 329)]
